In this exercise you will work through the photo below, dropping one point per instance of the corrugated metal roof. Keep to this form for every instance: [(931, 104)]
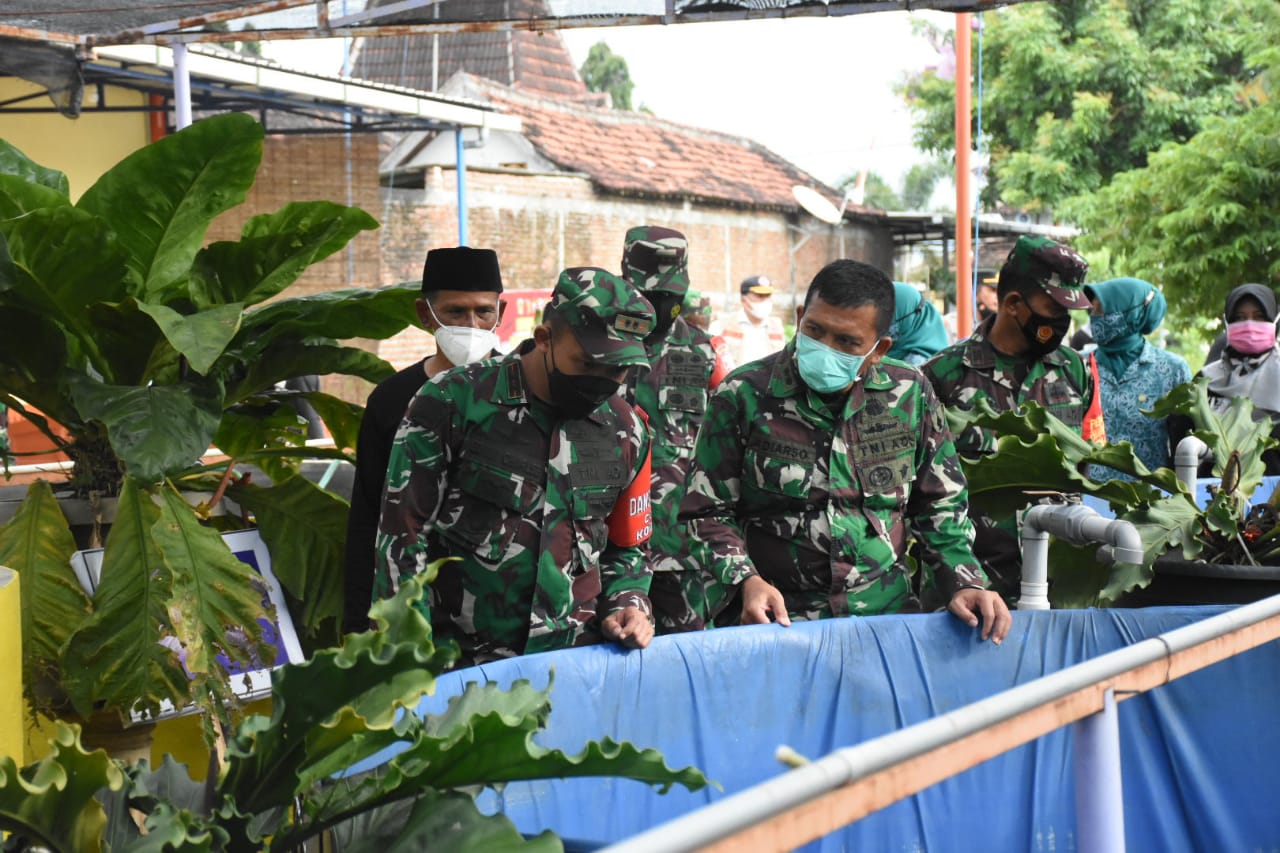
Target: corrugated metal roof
[(89, 22), (536, 62)]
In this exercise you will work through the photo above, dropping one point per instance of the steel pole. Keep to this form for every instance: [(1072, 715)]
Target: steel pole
[(181, 86), (1099, 790), (461, 155), (964, 221)]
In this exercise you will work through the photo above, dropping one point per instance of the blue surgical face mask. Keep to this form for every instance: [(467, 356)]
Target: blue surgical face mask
[(1109, 327), (824, 369)]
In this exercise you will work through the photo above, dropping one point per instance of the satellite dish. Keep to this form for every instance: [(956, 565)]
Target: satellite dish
[(817, 205)]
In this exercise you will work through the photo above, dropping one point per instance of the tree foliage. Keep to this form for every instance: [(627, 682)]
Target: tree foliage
[(919, 182), (1203, 216), (914, 193), (605, 71), (1078, 91)]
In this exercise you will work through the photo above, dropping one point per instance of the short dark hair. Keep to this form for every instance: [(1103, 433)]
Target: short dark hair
[(1012, 281), (850, 284)]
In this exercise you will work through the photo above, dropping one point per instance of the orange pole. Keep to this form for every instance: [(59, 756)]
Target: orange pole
[(964, 223), (158, 123)]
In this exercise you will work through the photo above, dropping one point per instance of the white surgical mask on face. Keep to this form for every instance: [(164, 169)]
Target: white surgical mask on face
[(758, 310), (463, 344)]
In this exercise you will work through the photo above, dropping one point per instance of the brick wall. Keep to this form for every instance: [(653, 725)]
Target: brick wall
[(540, 224), (311, 168)]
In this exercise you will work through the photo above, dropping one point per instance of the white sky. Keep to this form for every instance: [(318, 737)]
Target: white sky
[(817, 91)]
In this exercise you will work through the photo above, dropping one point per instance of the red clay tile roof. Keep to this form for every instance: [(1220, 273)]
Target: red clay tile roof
[(531, 61), (633, 153)]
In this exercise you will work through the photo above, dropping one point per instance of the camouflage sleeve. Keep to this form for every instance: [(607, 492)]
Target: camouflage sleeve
[(416, 477), (945, 372), (710, 505), (939, 503), (624, 570), (1086, 381)]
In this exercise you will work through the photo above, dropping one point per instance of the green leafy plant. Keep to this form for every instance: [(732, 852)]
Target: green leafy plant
[(135, 347), (283, 783), (1036, 454)]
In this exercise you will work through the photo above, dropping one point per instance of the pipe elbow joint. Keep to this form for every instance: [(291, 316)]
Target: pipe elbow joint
[(1189, 451), (1126, 543)]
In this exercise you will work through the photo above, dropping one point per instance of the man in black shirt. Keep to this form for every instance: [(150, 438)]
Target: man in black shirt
[(461, 305)]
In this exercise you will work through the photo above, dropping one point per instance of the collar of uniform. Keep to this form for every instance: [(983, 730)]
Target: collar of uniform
[(509, 389), (979, 352), (679, 334), (784, 378), (877, 379)]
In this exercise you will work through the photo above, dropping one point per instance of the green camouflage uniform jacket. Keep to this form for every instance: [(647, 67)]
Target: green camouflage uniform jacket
[(973, 369), (673, 392), (481, 471), (822, 505)]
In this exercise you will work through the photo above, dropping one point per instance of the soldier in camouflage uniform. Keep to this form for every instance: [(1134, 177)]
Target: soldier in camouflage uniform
[(1012, 357), (534, 472), (672, 389), (816, 464)]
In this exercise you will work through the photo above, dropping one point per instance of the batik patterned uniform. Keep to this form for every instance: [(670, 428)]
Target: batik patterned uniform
[(482, 471), (822, 504), (971, 370), (673, 392), (1126, 399)]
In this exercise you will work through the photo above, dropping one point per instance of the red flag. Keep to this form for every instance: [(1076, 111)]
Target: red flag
[(1094, 429)]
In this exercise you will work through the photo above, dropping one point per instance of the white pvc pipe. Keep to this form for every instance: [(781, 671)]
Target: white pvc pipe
[(760, 802), (181, 86), (1099, 788), (1034, 591), (1079, 525), (1186, 461)]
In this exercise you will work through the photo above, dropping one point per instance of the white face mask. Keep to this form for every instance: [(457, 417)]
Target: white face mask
[(758, 310), (463, 344)]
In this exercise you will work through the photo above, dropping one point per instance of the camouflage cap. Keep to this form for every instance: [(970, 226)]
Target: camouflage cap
[(1059, 269), (696, 303), (656, 258), (608, 316)]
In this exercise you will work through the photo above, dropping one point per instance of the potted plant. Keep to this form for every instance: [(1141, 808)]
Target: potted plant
[(1038, 454), (285, 781), (144, 347)]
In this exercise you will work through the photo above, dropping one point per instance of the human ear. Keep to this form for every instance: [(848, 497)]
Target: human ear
[(423, 308)]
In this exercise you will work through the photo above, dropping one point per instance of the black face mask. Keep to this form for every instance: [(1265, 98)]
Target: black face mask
[(577, 395), (1044, 334), (665, 311), (984, 312)]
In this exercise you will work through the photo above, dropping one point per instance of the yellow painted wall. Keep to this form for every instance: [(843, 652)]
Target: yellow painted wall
[(10, 667), (84, 147)]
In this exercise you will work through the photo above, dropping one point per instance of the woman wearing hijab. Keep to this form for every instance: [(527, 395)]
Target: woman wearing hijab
[(1132, 373), (1250, 362), (917, 330)]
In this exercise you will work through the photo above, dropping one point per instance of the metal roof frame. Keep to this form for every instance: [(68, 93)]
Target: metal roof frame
[(912, 227), (221, 81), (64, 21)]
